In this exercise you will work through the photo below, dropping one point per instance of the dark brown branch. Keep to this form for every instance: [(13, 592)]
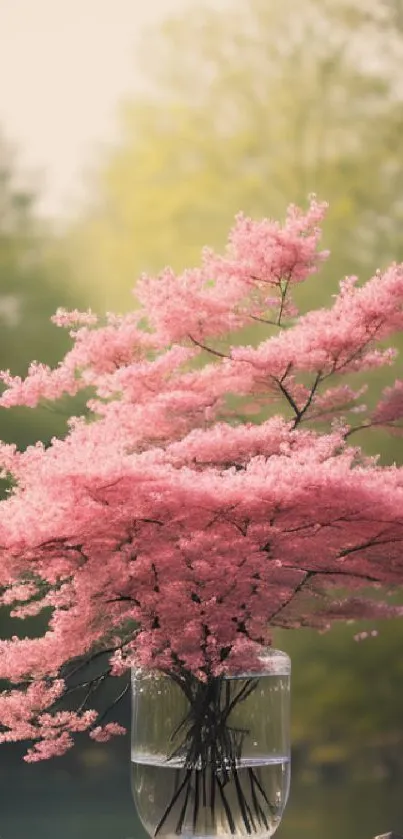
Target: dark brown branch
[(323, 573), (308, 402), (283, 292), (361, 427), (120, 598), (288, 397), (112, 705), (208, 349), (85, 660), (296, 590), (263, 320), (370, 544), (93, 685)]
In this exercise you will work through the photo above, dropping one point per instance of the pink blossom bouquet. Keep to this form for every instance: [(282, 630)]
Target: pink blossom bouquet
[(211, 492)]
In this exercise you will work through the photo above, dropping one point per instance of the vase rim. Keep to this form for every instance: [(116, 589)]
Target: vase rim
[(270, 661)]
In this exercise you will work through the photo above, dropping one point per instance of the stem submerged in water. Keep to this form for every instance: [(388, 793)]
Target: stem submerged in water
[(211, 749)]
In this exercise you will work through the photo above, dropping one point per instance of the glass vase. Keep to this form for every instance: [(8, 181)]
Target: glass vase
[(212, 758)]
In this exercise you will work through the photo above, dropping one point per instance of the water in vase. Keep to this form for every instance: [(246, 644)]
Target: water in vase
[(248, 800)]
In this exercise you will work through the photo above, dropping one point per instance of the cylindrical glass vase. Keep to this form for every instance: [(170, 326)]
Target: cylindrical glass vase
[(212, 758)]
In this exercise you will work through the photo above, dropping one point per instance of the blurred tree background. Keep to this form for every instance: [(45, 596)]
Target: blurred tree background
[(246, 106), (251, 107)]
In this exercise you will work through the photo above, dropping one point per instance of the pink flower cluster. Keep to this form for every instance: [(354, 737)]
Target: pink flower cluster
[(103, 733), (213, 495)]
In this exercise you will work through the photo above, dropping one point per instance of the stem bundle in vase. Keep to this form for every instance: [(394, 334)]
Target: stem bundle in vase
[(213, 751)]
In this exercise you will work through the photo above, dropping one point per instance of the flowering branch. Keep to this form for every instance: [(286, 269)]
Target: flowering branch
[(171, 532)]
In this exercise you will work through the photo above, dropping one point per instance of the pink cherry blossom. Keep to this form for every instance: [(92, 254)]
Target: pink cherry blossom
[(104, 733), (213, 495)]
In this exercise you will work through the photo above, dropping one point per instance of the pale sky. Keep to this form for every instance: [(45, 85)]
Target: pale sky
[(65, 65)]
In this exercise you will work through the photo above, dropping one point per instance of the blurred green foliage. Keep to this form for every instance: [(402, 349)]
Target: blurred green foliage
[(33, 283), (347, 700), (249, 110)]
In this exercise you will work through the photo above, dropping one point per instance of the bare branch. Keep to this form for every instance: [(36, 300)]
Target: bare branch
[(208, 349)]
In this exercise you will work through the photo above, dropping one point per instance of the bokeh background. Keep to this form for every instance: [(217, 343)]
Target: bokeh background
[(130, 135)]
